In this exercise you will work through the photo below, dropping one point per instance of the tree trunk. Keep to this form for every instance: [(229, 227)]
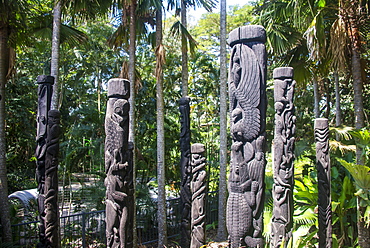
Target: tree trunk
[(355, 38), (316, 96), (162, 223), (4, 204), (338, 110), (55, 54), (132, 121), (184, 53), (222, 192)]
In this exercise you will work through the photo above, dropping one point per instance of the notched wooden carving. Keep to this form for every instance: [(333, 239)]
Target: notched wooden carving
[(248, 116), (282, 191), (323, 175), (198, 189), (45, 89), (118, 167), (185, 168)]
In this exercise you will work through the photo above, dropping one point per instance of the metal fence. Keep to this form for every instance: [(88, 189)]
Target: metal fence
[(87, 229)]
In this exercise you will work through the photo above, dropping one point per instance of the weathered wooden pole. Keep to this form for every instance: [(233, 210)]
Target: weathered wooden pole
[(51, 180), (247, 89), (198, 187), (45, 90), (283, 148), (185, 168), (118, 166), (324, 182)]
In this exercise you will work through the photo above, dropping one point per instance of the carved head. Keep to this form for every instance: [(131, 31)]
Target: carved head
[(53, 117)]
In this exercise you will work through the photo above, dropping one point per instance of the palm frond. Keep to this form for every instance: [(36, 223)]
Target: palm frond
[(120, 37), (337, 145), (124, 74), (180, 30), (338, 45), (344, 132), (315, 37), (306, 218), (72, 36), (81, 10), (206, 4), (160, 54)]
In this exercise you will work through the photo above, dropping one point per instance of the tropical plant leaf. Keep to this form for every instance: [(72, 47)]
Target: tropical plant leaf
[(360, 173)]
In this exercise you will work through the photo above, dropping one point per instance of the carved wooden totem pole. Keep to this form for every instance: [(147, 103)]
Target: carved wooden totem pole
[(51, 180), (45, 89), (118, 167), (324, 179), (282, 191), (198, 187), (247, 89), (185, 167)]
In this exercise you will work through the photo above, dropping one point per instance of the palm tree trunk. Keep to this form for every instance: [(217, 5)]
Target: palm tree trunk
[(222, 192), (338, 110), (55, 53), (351, 12), (316, 96), (132, 120), (184, 53), (354, 34), (4, 204), (162, 223)]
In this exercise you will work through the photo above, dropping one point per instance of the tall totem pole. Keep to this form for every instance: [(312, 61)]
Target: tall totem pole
[(185, 168), (282, 191), (323, 175), (118, 166), (198, 187), (51, 180), (247, 89), (47, 148)]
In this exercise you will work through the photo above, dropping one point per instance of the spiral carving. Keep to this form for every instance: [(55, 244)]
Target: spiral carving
[(247, 89)]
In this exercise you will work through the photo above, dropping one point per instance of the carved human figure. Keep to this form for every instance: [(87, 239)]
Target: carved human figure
[(45, 89), (185, 168), (324, 189), (247, 89), (198, 189), (282, 191), (118, 167), (51, 180)]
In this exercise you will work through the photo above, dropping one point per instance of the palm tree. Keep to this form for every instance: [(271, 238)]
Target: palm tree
[(55, 45), (160, 60), (184, 53), (352, 13), (186, 39), (222, 192), (78, 10)]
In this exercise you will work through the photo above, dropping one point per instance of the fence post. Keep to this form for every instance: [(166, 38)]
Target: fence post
[(83, 229)]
